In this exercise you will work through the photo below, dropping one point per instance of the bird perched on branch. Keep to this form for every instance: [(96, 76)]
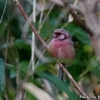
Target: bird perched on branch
[(62, 48)]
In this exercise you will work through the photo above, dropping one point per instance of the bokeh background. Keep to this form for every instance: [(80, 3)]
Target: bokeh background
[(16, 63)]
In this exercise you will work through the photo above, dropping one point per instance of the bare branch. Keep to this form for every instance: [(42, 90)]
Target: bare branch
[(59, 2), (46, 46), (74, 7), (88, 9), (76, 19)]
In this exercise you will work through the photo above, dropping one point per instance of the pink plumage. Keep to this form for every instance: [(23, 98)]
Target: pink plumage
[(61, 46)]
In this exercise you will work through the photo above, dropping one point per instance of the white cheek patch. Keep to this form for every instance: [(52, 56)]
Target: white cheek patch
[(61, 37)]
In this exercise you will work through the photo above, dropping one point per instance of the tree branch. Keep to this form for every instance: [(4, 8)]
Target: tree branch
[(76, 19), (21, 90)]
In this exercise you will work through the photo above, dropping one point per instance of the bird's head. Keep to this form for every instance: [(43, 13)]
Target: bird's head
[(61, 34)]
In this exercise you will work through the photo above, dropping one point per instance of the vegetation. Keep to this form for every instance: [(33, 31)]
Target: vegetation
[(19, 60)]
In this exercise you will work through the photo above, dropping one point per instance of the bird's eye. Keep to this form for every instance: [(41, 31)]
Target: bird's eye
[(56, 34)]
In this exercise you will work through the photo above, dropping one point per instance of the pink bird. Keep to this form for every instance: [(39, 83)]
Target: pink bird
[(62, 47)]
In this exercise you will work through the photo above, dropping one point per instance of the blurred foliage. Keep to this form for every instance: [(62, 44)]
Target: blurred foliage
[(2, 77), (15, 53)]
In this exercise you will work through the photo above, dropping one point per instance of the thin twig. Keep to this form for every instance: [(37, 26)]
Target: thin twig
[(47, 15), (41, 16), (70, 18), (34, 10), (33, 37), (3, 11), (46, 46)]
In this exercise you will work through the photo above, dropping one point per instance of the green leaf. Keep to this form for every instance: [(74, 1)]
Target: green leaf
[(78, 32), (93, 63), (63, 86), (10, 91), (96, 71), (2, 77), (41, 68), (10, 67), (20, 44), (46, 30), (30, 96), (23, 66)]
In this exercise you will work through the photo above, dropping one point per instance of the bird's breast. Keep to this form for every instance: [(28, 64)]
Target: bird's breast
[(62, 50)]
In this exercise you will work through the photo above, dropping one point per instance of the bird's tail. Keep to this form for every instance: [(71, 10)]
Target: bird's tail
[(61, 73)]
